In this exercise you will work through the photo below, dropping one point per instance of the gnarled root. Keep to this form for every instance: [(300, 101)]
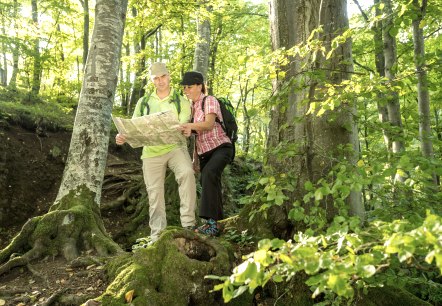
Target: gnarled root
[(59, 232)]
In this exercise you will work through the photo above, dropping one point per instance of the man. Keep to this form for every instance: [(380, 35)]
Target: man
[(157, 158)]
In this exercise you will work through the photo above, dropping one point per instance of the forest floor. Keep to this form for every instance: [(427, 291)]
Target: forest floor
[(31, 168)]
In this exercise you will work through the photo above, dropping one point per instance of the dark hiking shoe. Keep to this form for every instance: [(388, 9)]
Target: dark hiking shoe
[(210, 228)]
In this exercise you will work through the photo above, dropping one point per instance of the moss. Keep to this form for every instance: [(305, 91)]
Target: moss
[(171, 271)]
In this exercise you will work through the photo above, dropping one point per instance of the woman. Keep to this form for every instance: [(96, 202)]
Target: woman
[(213, 151)]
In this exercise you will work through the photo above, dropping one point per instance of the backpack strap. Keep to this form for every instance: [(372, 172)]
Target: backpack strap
[(176, 99), (216, 118), (145, 105)]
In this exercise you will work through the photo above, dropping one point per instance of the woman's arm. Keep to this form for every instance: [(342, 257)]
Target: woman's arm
[(206, 125)]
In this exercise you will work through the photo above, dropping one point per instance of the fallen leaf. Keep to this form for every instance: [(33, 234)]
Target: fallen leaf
[(129, 296), (2, 302)]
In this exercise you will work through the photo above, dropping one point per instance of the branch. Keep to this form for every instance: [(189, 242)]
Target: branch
[(364, 67), (361, 10)]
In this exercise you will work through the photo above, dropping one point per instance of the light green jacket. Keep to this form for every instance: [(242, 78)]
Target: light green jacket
[(160, 105)]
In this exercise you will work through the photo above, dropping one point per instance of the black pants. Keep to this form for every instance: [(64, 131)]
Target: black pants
[(212, 164)]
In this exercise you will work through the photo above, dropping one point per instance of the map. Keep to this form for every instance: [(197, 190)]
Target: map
[(150, 130)]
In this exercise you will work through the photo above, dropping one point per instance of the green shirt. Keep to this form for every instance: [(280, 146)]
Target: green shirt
[(160, 105)]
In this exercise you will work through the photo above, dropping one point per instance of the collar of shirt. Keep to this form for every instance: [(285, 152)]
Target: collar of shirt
[(155, 95)]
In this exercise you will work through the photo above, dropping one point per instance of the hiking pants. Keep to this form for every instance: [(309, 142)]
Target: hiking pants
[(154, 172), (212, 164)]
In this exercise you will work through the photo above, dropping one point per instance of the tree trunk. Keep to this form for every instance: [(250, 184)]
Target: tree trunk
[(202, 49), (214, 51), (73, 222), (393, 106), (315, 139), (85, 5), (380, 68), (138, 87), (37, 70), (4, 65), (423, 96), (88, 150)]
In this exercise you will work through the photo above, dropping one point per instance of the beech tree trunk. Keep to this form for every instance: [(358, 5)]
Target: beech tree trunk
[(202, 49), (74, 223), (85, 5), (37, 69), (314, 139), (393, 106), (380, 68), (423, 97), (89, 144)]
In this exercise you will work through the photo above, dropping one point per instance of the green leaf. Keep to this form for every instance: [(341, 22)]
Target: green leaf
[(318, 194), (277, 244), (393, 31), (239, 291), (277, 278), (296, 214), (338, 283), (308, 186), (263, 180), (368, 271)]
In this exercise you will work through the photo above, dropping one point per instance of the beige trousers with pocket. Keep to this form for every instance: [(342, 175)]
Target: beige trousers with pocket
[(154, 172)]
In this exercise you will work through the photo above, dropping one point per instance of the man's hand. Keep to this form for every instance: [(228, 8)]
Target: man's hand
[(120, 139)]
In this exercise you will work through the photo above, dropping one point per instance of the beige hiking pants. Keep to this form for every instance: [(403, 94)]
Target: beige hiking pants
[(154, 172)]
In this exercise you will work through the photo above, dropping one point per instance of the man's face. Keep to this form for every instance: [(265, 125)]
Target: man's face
[(161, 82)]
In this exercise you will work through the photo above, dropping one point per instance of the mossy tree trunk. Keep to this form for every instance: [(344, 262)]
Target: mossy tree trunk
[(73, 223)]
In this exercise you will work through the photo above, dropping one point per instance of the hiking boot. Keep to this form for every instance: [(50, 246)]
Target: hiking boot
[(210, 228)]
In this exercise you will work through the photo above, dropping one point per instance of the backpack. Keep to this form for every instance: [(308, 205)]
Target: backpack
[(145, 104), (228, 124)]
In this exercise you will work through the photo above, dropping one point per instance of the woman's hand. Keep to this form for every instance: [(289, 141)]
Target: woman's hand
[(120, 139), (185, 129)]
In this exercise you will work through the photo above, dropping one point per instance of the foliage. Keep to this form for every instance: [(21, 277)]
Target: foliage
[(45, 115), (397, 246), (242, 239), (344, 260)]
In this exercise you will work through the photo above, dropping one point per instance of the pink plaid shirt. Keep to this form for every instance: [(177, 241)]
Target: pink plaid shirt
[(208, 140)]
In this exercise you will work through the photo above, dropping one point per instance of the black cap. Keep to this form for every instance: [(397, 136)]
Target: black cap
[(192, 78)]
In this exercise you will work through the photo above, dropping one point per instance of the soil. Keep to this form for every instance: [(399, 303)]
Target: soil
[(31, 167)]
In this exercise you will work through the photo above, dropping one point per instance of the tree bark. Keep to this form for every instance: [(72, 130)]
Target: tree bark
[(393, 106), (202, 49), (380, 68), (88, 149), (73, 222), (37, 70), (315, 138), (85, 5), (423, 97), (14, 49)]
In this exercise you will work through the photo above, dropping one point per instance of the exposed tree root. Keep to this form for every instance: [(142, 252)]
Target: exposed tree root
[(60, 232), (54, 297)]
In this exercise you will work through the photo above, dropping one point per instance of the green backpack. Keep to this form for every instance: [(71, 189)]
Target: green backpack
[(144, 107)]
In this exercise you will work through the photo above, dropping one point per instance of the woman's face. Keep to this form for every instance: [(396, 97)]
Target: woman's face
[(192, 92)]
